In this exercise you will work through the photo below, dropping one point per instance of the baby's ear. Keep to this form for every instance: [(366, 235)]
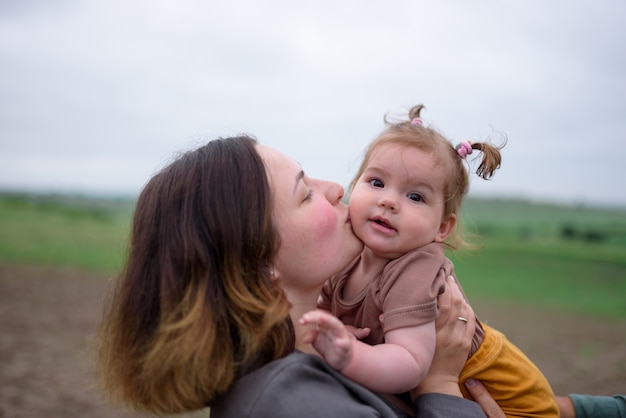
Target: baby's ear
[(446, 228)]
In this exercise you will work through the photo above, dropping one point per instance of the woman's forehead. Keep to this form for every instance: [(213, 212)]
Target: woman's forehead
[(283, 172), (275, 159)]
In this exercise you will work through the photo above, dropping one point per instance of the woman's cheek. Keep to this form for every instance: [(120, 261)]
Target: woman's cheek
[(326, 224)]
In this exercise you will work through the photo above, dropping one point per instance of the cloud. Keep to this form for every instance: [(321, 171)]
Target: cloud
[(126, 85)]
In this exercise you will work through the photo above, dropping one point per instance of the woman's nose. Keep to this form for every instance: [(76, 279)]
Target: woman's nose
[(334, 192)]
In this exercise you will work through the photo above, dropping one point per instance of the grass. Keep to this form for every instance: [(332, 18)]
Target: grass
[(61, 230), (544, 279), (562, 257)]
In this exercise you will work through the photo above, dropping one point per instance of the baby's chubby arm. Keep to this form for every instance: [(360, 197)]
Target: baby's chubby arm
[(396, 366), (399, 364)]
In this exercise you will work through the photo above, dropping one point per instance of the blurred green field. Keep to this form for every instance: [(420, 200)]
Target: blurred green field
[(82, 232), (562, 257)]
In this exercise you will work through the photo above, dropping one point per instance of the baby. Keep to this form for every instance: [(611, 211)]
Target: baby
[(405, 205)]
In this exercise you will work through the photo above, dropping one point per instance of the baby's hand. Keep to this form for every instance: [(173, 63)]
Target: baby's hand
[(330, 338), (357, 333)]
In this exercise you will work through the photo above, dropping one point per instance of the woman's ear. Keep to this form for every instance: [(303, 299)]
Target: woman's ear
[(446, 228), (273, 273)]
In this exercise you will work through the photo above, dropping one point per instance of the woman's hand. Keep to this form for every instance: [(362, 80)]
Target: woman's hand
[(454, 339), (489, 405), (455, 326), (566, 407)]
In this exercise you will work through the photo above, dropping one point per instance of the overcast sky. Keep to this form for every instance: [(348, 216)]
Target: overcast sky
[(95, 96)]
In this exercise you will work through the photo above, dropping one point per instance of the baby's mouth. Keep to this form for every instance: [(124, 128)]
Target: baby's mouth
[(383, 223)]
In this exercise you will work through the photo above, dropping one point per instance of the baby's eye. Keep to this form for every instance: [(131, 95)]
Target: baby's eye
[(308, 196), (377, 183), (416, 197)]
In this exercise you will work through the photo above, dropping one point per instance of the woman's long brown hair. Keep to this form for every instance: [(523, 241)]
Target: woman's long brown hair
[(195, 306)]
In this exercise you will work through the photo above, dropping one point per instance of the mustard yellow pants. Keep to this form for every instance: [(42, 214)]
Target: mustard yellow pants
[(512, 379)]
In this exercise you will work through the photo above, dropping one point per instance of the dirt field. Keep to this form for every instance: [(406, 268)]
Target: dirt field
[(48, 317)]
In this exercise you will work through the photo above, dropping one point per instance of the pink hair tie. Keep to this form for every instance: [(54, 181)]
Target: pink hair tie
[(463, 149), (416, 121)]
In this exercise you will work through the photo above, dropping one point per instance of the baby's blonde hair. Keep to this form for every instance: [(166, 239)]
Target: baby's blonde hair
[(413, 133)]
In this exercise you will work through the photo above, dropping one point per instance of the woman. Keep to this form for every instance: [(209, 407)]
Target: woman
[(230, 245)]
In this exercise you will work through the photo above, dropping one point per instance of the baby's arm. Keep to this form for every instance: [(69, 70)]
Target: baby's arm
[(396, 366), (399, 364)]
